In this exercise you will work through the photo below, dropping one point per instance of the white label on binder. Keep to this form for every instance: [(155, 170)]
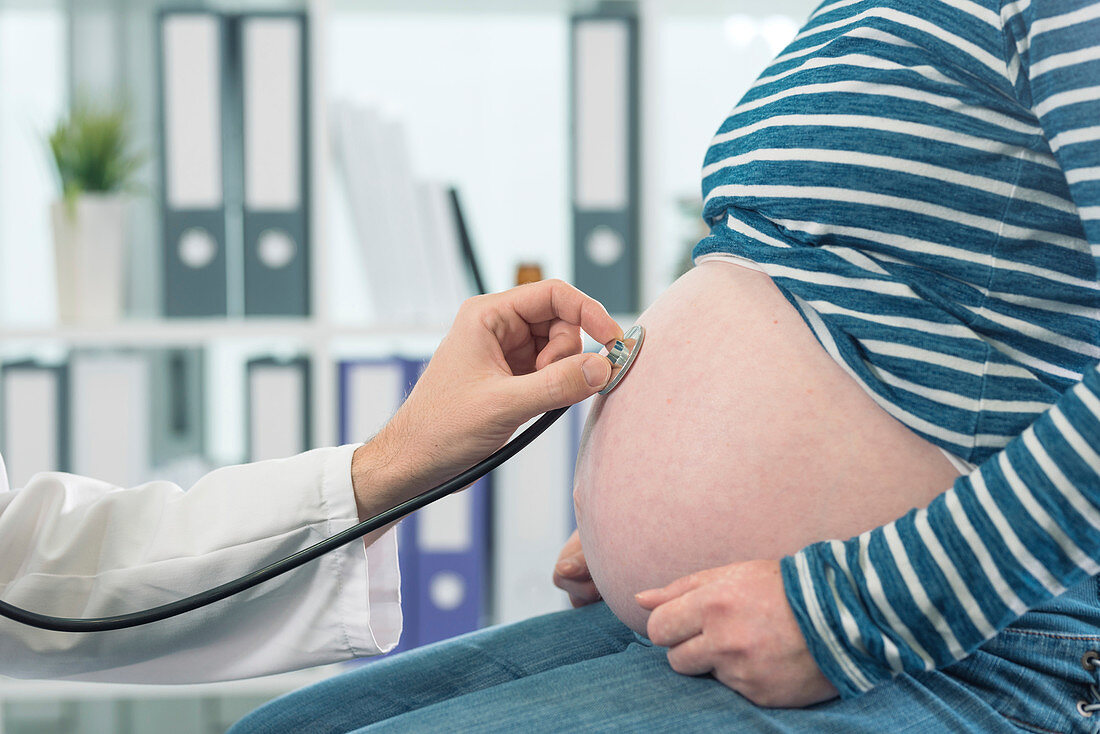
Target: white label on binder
[(272, 113), (604, 246), (276, 398), (374, 392), (602, 113), (197, 248), (445, 526), (192, 111), (447, 590), (30, 424), (110, 425), (276, 248)]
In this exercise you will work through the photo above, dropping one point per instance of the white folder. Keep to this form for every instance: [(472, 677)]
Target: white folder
[(410, 239), (278, 408), (601, 48), (272, 67), (358, 152), (110, 409), (33, 421), (446, 256), (192, 110), (532, 519), (371, 392)]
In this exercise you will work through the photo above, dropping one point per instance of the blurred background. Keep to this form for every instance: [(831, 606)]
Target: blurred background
[(236, 230)]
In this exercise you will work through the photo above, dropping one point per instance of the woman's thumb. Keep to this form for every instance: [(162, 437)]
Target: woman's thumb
[(562, 383)]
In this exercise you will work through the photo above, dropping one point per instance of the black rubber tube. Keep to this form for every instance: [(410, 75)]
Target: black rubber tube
[(202, 599)]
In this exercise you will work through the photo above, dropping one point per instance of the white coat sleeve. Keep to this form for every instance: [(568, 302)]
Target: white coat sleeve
[(73, 546)]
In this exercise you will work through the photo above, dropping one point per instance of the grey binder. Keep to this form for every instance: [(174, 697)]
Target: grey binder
[(274, 74), (177, 404), (192, 60), (605, 147)]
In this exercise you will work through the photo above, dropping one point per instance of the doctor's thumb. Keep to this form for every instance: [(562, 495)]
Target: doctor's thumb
[(562, 383)]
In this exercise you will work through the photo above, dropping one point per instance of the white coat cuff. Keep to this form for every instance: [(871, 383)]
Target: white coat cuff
[(369, 596)]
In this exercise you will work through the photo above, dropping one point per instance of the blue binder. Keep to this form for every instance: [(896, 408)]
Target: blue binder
[(443, 548), (370, 391)]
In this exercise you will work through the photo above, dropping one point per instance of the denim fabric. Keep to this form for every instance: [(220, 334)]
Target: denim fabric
[(582, 670)]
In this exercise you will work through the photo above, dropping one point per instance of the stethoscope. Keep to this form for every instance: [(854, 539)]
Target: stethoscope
[(622, 355)]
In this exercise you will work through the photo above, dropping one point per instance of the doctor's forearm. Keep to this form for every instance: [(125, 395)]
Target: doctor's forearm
[(379, 479)]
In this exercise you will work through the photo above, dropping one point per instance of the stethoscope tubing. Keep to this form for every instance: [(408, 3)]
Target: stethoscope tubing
[(230, 588)]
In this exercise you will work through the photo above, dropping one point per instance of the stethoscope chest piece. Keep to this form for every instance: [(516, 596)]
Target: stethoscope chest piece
[(623, 354)]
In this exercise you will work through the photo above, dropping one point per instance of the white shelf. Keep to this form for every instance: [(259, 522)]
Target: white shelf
[(154, 333), (12, 689)]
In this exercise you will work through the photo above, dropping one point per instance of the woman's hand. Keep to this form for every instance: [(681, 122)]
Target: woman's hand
[(508, 357), (571, 574), (735, 623)]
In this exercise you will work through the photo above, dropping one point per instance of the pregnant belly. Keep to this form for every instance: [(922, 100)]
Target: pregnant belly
[(734, 437)]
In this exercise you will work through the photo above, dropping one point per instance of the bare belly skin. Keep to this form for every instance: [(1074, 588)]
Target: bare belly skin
[(734, 437)]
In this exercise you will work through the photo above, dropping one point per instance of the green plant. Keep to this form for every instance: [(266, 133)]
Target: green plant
[(91, 150)]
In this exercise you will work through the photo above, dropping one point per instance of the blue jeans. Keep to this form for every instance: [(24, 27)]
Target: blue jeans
[(582, 670)]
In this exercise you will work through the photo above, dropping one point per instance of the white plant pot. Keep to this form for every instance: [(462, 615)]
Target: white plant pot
[(89, 253)]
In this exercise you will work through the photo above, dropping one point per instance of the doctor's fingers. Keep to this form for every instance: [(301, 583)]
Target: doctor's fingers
[(563, 340), (511, 313)]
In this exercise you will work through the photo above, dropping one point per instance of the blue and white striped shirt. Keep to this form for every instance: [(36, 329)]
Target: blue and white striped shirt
[(922, 181)]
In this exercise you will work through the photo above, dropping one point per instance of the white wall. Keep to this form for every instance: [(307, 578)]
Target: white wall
[(698, 67), (485, 101), (33, 91)]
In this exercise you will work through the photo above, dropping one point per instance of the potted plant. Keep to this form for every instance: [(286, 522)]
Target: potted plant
[(95, 168)]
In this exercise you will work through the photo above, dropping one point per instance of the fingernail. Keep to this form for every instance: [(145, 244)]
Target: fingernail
[(568, 566), (596, 371)]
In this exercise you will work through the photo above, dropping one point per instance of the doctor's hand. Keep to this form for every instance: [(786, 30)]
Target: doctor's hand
[(508, 357), (734, 622), (571, 574)]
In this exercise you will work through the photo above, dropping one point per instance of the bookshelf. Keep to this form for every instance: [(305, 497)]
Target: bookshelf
[(683, 99)]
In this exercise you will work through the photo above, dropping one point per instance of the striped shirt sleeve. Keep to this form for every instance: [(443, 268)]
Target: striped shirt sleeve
[(927, 589)]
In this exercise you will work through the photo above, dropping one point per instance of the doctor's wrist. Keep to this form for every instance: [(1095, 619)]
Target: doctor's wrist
[(380, 477)]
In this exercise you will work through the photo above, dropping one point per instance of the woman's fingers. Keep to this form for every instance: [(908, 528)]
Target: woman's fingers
[(652, 598), (584, 596), (574, 580), (581, 590), (691, 657), (571, 574), (675, 621)]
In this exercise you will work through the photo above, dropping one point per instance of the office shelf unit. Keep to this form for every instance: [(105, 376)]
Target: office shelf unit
[(692, 70)]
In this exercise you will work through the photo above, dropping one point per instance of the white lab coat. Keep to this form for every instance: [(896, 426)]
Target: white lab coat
[(73, 546)]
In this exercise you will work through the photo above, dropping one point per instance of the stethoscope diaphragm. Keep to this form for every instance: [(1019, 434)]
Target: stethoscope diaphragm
[(623, 354)]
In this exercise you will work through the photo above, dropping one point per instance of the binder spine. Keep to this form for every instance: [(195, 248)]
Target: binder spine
[(192, 152), (274, 118), (605, 143)]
